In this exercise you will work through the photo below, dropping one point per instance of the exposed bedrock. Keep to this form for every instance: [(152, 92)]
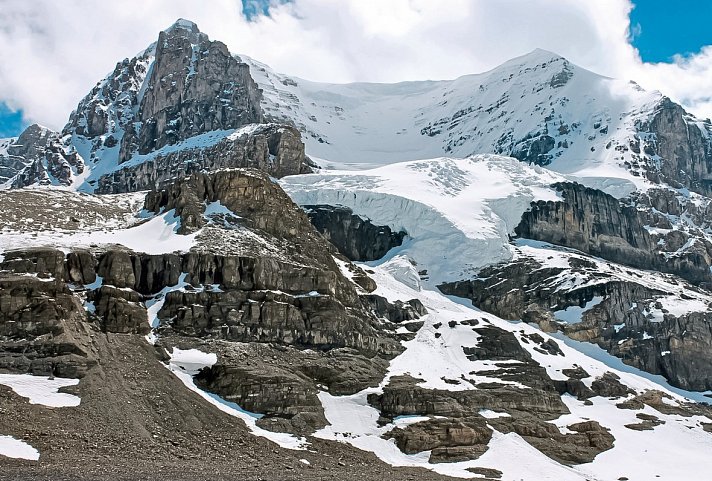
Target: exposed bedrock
[(355, 237), (275, 149), (287, 400), (683, 144), (596, 223), (42, 329), (617, 315)]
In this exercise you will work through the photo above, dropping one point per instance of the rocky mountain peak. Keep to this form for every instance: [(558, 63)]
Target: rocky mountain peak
[(31, 142), (182, 25), (39, 156), (195, 85)]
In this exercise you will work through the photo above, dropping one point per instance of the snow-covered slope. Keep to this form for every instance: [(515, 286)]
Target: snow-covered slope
[(677, 449), (538, 107), (458, 213)]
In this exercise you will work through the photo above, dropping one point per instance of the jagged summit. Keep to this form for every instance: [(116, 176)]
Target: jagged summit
[(183, 24), (186, 29), (205, 302), (539, 108)]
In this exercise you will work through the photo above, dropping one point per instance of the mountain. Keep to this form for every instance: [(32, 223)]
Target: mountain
[(539, 108), (218, 271), (184, 94)]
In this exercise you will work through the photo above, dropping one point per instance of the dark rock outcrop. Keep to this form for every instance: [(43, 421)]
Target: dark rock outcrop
[(464, 434), (35, 337), (355, 237), (194, 86), (397, 311), (37, 157), (120, 310), (599, 224), (286, 400), (448, 440)]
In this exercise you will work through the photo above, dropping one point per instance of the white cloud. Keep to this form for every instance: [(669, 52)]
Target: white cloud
[(53, 52)]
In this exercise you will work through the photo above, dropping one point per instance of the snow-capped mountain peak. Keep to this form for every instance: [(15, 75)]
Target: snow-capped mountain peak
[(539, 108)]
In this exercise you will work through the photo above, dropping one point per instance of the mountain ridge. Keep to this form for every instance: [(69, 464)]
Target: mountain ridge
[(235, 272)]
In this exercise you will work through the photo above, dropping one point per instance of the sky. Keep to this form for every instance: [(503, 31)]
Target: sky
[(53, 52), (664, 28)]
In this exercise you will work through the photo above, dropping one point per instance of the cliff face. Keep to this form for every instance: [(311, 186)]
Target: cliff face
[(355, 237), (682, 144), (194, 86), (598, 224)]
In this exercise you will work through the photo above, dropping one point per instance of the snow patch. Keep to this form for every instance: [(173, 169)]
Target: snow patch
[(14, 448), (41, 389)]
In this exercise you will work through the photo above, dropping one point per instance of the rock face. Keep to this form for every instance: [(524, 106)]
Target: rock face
[(465, 433), (617, 311), (167, 112), (599, 224), (686, 149), (41, 319), (194, 86), (272, 148), (37, 157), (287, 400), (448, 440), (110, 108), (355, 237)]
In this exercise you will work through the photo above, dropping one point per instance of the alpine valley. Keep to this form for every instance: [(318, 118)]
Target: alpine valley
[(218, 271)]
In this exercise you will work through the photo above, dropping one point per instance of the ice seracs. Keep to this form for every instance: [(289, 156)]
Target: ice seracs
[(457, 213)]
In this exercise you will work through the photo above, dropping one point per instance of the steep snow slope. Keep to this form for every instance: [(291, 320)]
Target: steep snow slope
[(538, 107)]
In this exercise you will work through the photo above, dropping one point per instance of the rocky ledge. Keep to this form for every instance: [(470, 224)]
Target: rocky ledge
[(596, 223), (291, 301), (275, 149)]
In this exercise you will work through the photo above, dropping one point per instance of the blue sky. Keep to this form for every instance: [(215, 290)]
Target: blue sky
[(336, 41), (663, 28), (11, 123)]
